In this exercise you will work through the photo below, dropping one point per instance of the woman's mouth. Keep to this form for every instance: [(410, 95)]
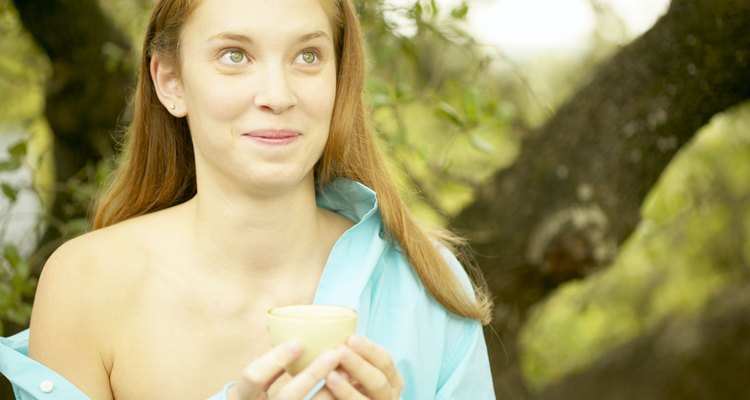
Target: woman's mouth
[(273, 137)]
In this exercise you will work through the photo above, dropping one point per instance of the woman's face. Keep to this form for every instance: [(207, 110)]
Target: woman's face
[(258, 81)]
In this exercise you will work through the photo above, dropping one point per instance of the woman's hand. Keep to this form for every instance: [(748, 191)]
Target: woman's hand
[(258, 377), (366, 372)]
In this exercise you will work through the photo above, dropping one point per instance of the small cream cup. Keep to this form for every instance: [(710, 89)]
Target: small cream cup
[(317, 327)]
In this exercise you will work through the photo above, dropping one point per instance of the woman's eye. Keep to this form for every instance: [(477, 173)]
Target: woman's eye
[(233, 57), (307, 57)]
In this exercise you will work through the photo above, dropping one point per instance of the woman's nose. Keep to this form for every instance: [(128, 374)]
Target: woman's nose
[(275, 93)]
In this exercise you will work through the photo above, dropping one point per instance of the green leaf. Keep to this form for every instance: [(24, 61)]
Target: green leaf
[(10, 192), (9, 165), (19, 314), (482, 145), (22, 272), (77, 226), (409, 50), (5, 295), (18, 150), (11, 254), (30, 287), (447, 111), (460, 11), (380, 100), (402, 90), (20, 269)]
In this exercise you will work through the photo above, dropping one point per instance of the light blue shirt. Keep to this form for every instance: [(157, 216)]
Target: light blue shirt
[(439, 355)]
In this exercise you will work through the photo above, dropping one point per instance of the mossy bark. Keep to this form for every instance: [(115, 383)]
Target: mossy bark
[(576, 189), (687, 358)]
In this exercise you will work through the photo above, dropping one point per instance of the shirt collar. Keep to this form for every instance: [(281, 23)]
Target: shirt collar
[(349, 198)]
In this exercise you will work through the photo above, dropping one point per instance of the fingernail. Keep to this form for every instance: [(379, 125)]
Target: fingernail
[(334, 378), (343, 352), (355, 341), (329, 359), (294, 346)]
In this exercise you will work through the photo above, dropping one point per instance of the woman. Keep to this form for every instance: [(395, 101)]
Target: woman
[(250, 179)]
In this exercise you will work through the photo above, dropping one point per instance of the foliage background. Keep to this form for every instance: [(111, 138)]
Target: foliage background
[(450, 112)]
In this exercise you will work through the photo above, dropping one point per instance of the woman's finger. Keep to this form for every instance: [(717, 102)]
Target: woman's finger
[(373, 380), (311, 376), (324, 394), (258, 376), (341, 388), (348, 378), (369, 377), (377, 356)]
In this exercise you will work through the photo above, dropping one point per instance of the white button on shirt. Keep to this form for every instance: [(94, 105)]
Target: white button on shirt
[(438, 355), (46, 386)]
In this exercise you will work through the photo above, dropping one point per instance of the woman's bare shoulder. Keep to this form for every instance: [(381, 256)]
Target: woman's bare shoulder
[(98, 252), (122, 242), (88, 270), (96, 267), (84, 289)]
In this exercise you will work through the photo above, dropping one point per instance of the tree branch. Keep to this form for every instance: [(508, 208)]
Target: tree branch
[(601, 153)]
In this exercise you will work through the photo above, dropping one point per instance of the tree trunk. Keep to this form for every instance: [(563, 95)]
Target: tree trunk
[(86, 95), (87, 92), (704, 357), (575, 191)]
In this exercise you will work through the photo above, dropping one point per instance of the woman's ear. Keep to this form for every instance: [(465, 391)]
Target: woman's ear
[(168, 86)]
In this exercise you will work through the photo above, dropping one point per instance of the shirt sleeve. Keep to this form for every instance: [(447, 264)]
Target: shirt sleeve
[(466, 370), (224, 392), (30, 379), (465, 373)]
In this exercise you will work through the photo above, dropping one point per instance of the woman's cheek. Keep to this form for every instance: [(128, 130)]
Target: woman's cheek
[(321, 95), (226, 101), (219, 98)]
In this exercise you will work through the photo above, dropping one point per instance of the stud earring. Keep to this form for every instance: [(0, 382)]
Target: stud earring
[(173, 106)]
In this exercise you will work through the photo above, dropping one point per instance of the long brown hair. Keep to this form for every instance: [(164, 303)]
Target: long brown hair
[(157, 167)]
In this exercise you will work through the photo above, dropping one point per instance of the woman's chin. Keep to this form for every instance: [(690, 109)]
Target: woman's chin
[(279, 182)]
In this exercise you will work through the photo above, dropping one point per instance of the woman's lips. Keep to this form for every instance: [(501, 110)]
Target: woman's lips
[(273, 137)]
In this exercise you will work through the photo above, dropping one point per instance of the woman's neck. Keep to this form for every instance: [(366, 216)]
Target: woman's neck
[(263, 237)]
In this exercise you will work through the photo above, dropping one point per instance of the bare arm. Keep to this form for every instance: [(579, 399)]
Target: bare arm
[(66, 328)]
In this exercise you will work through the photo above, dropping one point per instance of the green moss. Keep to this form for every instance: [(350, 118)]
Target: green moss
[(692, 243)]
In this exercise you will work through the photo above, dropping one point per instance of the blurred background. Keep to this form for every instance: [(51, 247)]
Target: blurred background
[(596, 154)]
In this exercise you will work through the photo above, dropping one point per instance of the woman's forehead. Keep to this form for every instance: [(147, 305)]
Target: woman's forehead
[(266, 18)]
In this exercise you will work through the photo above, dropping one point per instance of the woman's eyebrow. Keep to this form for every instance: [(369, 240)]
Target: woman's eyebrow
[(313, 35), (238, 37)]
